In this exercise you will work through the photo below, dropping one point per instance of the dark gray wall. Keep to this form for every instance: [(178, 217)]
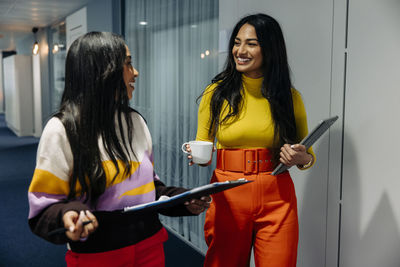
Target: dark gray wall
[(99, 16), (117, 15), (25, 45), (43, 36)]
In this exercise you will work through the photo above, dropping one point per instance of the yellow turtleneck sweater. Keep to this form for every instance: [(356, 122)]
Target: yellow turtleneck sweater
[(253, 128)]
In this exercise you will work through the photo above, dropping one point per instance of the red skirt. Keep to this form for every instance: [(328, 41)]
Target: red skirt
[(147, 253)]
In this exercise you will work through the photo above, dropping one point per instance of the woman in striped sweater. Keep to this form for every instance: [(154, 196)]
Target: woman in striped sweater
[(95, 158)]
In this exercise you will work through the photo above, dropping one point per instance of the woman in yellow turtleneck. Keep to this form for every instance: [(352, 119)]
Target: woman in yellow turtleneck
[(258, 119)]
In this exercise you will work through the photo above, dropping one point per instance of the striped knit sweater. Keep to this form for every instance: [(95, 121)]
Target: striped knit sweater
[(50, 187)]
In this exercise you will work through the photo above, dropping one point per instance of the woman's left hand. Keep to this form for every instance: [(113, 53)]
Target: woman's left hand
[(197, 206), (291, 155)]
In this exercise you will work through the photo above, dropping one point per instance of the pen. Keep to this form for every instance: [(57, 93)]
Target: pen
[(63, 230)]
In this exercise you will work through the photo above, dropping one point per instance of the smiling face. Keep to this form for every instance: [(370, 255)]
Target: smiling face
[(247, 52), (130, 73)]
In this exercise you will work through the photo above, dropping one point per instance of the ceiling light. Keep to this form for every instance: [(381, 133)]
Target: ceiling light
[(144, 23), (35, 49), (56, 48)]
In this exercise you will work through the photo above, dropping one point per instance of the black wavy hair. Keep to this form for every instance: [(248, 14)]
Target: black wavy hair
[(276, 87), (94, 97)]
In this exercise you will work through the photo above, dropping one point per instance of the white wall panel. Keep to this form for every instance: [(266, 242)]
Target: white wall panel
[(18, 94), (37, 96), (336, 136), (371, 214)]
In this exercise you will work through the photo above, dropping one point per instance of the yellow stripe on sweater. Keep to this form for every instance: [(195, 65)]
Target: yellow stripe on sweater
[(146, 188), (110, 171), (46, 182)]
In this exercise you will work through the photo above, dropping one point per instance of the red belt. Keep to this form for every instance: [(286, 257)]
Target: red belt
[(245, 160)]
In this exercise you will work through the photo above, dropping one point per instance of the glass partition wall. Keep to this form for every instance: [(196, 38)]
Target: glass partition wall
[(58, 54), (174, 45)]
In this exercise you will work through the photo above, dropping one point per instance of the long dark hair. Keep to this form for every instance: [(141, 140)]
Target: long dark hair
[(94, 97), (276, 87)]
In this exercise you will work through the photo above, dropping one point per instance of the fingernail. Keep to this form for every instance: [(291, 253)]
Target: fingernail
[(80, 216), (72, 229), (292, 146)]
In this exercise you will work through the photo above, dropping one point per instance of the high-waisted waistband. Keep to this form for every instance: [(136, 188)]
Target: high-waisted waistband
[(245, 160)]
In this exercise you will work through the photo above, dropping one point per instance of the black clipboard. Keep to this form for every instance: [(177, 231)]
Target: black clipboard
[(197, 192), (310, 139)]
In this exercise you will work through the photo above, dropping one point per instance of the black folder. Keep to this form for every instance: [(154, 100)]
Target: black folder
[(309, 140), (195, 193)]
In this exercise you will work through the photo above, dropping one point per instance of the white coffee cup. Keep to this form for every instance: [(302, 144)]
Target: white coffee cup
[(201, 151)]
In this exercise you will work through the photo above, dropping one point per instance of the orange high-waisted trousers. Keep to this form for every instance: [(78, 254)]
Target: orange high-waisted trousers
[(262, 214)]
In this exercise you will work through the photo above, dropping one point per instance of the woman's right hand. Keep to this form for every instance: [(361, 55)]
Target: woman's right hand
[(73, 221), (189, 155)]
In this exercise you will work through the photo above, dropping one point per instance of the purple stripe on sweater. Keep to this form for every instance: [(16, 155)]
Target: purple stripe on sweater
[(110, 200), (38, 201), (151, 158), (143, 175)]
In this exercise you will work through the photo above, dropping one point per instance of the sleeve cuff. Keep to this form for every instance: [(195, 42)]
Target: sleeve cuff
[(308, 165)]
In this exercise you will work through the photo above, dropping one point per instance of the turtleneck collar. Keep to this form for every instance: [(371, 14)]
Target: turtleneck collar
[(252, 86)]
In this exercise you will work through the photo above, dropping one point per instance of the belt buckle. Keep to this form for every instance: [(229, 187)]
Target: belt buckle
[(250, 164)]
